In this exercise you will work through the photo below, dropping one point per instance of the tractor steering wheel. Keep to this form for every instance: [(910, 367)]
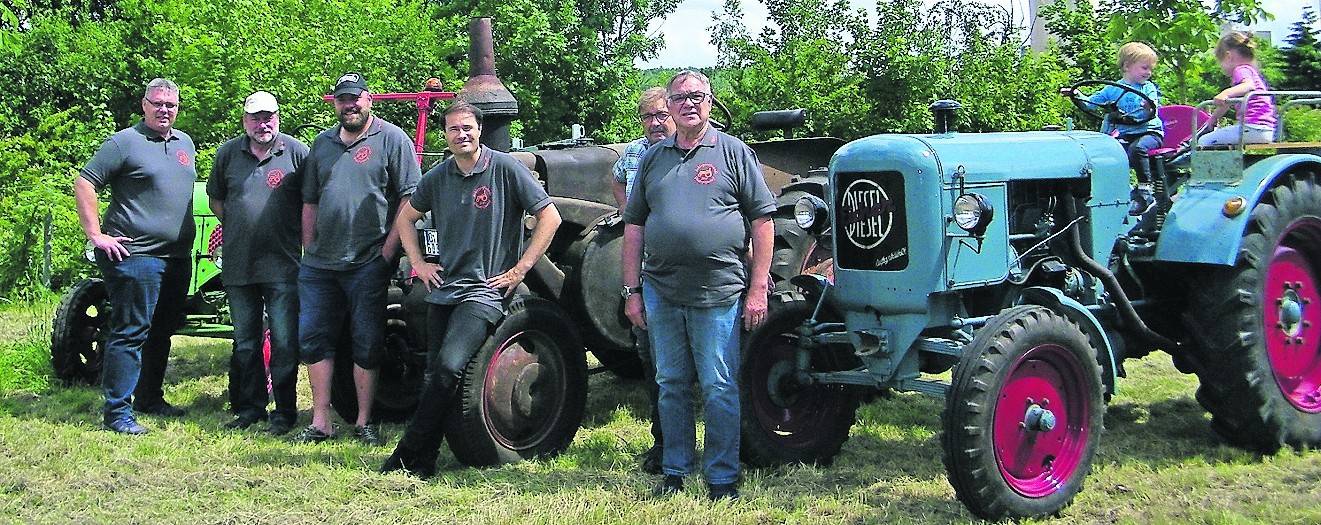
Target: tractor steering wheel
[(1111, 109)]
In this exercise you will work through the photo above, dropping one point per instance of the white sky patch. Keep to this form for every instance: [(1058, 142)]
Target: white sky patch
[(687, 30)]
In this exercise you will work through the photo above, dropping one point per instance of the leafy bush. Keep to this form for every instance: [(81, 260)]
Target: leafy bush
[(1303, 125)]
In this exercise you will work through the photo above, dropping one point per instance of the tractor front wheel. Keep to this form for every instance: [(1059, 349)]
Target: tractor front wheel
[(1023, 416), (783, 420), (79, 331), (1259, 351)]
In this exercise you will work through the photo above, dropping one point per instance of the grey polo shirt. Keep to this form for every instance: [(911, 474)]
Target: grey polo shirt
[(151, 189), (357, 189), (263, 210), (695, 207), (478, 218)]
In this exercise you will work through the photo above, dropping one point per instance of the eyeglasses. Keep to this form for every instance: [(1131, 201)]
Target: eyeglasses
[(660, 117), (162, 105), (696, 97)]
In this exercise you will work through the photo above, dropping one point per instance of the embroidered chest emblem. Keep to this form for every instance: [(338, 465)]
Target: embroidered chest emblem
[(705, 173), (362, 154), (481, 197), (183, 158), (273, 177)]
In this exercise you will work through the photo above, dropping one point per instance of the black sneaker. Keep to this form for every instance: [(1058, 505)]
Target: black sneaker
[(160, 408), (669, 486), (126, 426), (369, 434), (279, 427), (719, 491), (1141, 202), (243, 421), (651, 460), (311, 434)]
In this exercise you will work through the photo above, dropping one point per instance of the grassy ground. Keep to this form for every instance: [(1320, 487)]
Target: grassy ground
[(1158, 463)]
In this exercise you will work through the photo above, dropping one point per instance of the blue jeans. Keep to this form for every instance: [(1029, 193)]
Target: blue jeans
[(146, 306), (253, 307), (1139, 159), (326, 296), (696, 343)]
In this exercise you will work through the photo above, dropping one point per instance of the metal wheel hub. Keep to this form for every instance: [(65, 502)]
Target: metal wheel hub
[(524, 390), (1041, 421)]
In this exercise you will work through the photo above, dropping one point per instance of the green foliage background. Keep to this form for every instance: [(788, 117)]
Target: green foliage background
[(74, 71)]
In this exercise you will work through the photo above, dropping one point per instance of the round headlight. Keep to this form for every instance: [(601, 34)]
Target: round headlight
[(805, 212), (972, 213)]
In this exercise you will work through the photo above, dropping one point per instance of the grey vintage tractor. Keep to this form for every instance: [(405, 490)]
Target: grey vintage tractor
[(1010, 260)]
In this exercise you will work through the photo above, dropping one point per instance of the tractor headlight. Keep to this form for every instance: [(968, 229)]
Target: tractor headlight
[(808, 211), (972, 213)]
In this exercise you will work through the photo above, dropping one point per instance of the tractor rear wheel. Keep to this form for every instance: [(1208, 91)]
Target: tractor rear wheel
[(1259, 349), (524, 393), (79, 331), (784, 421), (1024, 415)]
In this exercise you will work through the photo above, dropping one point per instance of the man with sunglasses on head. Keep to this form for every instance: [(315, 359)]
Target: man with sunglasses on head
[(253, 190), (142, 248), (698, 200), (354, 180), (656, 122)]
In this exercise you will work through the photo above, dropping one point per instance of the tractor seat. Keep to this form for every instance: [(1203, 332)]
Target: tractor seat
[(1179, 125)]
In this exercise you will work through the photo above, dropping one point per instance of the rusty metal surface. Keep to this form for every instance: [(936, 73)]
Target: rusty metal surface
[(781, 160), (485, 90)]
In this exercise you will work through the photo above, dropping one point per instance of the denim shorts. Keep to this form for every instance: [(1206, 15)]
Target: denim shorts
[(327, 297)]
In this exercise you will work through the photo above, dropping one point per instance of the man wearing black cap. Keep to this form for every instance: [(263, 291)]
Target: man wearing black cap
[(353, 181), (253, 190)]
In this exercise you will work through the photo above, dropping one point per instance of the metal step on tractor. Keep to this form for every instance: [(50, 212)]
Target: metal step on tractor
[(1009, 261), (525, 391)]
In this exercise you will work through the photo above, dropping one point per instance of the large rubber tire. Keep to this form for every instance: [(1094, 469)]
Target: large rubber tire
[(398, 382), (524, 393), (782, 421), (1258, 327), (796, 250), (79, 331), (1004, 460)]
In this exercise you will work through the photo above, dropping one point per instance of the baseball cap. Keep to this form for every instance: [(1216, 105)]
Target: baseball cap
[(259, 102), (351, 83)]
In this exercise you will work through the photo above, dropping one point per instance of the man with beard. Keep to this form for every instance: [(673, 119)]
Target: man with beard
[(698, 199), (477, 199), (658, 125), (253, 190), (353, 181), (143, 251)]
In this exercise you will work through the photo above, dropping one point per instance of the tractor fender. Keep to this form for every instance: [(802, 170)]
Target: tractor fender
[(1065, 305), (1197, 230)]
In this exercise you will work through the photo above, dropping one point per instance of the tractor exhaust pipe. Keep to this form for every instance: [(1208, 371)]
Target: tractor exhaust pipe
[(485, 90), (1111, 283), (943, 111)]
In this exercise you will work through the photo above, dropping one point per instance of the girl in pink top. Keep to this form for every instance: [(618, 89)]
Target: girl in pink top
[(1236, 54)]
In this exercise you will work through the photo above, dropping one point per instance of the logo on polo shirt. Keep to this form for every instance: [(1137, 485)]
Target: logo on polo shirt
[(481, 197), (362, 154), (183, 158), (273, 177), (705, 173)]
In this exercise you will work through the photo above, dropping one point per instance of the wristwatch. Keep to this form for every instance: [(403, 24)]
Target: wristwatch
[(630, 290)]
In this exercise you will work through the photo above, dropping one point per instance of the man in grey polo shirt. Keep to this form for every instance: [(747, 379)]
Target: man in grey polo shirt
[(353, 181), (698, 199), (142, 248), (477, 199), (254, 191)]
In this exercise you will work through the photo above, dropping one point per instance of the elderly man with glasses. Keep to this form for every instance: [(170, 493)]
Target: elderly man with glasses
[(143, 245), (698, 199)]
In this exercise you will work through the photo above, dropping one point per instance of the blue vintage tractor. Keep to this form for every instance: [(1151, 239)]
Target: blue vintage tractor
[(1010, 259)]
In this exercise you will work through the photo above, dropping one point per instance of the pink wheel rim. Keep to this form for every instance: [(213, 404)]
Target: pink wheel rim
[(1291, 311), (1040, 429)]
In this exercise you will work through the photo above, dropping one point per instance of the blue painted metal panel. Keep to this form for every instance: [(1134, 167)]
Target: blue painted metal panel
[(1197, 231), (973, 262)]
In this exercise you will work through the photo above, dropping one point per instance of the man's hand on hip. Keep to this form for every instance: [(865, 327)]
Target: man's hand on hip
[(429, 274), (111, 246)]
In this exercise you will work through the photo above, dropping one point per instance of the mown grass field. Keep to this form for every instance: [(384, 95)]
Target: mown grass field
[(1158, 463)]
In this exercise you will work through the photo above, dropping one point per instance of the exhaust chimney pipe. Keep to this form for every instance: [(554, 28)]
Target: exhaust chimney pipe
[(943, 112), (484, 89)]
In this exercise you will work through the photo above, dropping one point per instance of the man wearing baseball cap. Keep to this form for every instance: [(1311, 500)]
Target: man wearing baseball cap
[(355, 177), (254, 190)]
